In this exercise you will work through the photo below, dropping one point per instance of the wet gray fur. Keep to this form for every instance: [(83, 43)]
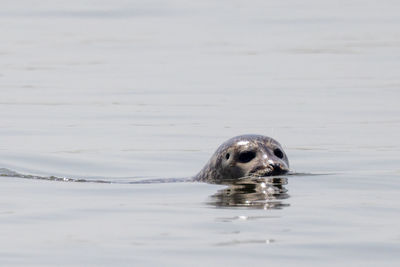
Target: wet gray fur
[(242, 156)]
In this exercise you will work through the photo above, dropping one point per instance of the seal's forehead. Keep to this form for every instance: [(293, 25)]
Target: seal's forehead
[(246, 141), (243, 142), (256, 142), (259, 142)]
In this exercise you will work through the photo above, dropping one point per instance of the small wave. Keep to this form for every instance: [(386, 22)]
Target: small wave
[(293, 173), (9, 173), (4, 172)]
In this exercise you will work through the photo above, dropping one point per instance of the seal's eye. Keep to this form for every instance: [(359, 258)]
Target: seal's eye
[(246, 156), (227, 156), (278, 153)]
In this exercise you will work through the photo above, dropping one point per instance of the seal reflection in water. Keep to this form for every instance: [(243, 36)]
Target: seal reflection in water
[(246, 163), (260, 192)]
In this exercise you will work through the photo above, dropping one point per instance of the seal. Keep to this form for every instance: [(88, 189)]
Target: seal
[(245, 156)]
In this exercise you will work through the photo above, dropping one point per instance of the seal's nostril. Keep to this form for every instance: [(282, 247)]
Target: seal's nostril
[(278, 169), (276, 166)]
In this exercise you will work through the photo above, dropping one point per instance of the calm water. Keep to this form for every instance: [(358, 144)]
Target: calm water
[(121, 91)]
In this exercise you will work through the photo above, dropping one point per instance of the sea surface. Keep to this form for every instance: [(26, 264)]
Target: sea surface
[(98, 97)]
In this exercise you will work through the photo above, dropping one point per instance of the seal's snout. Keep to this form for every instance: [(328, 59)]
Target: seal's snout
[(278, 169), (269, 169)]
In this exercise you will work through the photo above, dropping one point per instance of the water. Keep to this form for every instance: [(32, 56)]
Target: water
[(123, 91)]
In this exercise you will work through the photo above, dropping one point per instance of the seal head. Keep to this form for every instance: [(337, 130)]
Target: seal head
[(243, 156)]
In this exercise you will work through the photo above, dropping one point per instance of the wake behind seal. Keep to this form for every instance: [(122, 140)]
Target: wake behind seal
[(244, 156)]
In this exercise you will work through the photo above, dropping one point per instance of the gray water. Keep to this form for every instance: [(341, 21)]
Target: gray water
[(125, 91)]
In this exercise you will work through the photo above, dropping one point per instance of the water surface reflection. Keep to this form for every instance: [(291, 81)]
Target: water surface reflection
[(255, 192)]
